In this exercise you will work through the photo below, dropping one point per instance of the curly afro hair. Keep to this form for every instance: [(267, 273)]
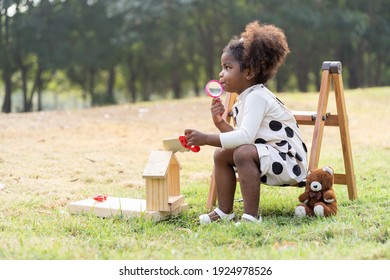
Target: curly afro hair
[(261, 48)]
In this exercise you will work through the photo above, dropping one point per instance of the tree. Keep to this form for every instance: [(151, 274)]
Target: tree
[(171, 47), (6, 62)]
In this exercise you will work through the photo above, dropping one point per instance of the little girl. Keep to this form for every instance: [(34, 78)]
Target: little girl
[(265, 146)]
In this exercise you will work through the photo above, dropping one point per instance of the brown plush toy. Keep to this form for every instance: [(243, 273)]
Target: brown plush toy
[(319, 198)]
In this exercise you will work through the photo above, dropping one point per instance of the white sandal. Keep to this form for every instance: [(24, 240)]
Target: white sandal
[(205, 218), (249, 218)]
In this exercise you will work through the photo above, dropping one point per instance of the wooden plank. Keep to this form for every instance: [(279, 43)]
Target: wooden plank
[(309, 118), (174, 145), (111, 207), (157, 195), (163, 196), (149, 194), (157, 164), (126, 207), (175, 201), (340, 179), (174, 177)]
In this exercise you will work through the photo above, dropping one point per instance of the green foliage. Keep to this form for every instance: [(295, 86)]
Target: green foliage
[(172, 48)]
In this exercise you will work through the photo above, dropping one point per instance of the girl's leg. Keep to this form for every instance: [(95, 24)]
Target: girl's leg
[(247, 163), (225, 179)]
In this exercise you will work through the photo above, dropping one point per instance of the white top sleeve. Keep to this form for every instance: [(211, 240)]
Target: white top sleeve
[(254, 109)]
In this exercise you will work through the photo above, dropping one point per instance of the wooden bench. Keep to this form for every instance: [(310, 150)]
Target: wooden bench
[(331, 72)]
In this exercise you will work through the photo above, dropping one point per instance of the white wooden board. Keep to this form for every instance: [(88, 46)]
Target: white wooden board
[(174, 145), (113, 206)]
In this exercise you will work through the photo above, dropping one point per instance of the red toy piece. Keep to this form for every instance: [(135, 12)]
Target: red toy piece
[(183, 141), (100, 197)]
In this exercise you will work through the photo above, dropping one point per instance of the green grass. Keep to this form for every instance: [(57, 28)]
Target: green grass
[(47, 161)]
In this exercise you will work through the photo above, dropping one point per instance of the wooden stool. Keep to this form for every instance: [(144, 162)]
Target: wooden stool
[(331, 71)]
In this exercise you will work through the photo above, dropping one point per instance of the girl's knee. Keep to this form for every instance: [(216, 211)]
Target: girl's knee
[(222, 156), (244, 153)]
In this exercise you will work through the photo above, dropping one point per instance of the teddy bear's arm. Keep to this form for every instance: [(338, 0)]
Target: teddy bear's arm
[(304, 198), (329, 196)]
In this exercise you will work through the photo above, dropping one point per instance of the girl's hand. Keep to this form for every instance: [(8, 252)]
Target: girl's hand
[(217, 110), (195, 138)]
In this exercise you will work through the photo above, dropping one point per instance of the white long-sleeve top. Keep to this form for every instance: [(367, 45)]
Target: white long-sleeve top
[(261, 118)]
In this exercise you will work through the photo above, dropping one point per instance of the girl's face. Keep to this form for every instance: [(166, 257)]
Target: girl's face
[(231, 77)]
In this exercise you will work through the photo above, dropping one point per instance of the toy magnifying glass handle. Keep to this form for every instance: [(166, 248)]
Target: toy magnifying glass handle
[(214, 88), (183, 141)]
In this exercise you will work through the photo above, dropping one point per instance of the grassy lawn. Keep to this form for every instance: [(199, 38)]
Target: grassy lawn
[(49, 159)]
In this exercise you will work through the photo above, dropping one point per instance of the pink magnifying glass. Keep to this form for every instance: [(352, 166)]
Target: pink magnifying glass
[(214, 88)]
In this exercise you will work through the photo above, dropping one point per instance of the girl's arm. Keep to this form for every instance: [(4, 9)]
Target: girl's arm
[(217, 110), (197, 138)]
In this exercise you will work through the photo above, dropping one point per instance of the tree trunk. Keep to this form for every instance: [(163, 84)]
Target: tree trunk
[(131, 80), (175, 74), (4, 41), (144, 88), (356, 77), (23, 70), (176, 85), (8, 90), (302, 75), (281, 81), (39, 87), (110, 86), (196, 87), (378, 70), (91, 86), (36, 87)]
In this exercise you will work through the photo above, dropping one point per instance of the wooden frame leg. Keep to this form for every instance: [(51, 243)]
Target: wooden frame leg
[(212, 196), (319, 122), (345, 137)]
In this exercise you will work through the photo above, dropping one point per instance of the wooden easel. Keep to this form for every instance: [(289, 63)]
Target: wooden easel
[(331, 71)]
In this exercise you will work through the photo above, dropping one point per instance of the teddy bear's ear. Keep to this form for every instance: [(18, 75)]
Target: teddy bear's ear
[(328, 169)]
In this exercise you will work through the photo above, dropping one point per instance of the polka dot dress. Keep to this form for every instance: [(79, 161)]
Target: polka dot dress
[(262, 119)]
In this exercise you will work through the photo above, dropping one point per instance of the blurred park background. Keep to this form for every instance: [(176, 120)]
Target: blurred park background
[(69, 54)]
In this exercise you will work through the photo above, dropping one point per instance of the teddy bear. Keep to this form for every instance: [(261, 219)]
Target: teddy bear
[(319, 198)]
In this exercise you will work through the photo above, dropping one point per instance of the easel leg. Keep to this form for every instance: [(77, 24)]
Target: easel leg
[(319, 122), (212, 196), (345, 137)]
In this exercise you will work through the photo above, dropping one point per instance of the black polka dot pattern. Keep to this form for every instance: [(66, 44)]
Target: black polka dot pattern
[(275, 125), (289, 132), (263, 179), (282, 143), (304, 147), (277, 168), (283, 156), (297, 170), (260, 141)]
